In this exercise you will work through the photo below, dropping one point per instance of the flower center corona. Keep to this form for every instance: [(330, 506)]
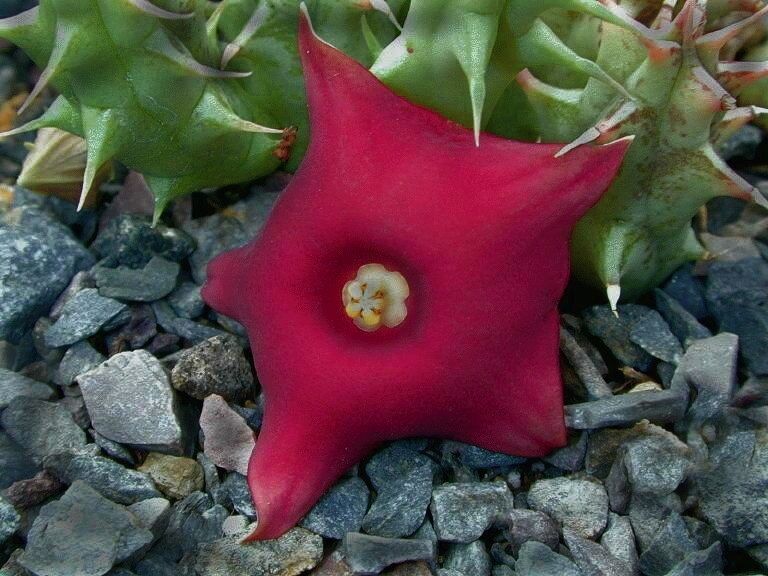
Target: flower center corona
[(375, 297)]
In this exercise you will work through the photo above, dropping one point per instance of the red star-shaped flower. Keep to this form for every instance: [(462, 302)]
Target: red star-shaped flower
[(469, 243)]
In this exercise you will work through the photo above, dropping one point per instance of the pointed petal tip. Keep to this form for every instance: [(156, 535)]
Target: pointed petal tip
[(613, 293), (151, 9)]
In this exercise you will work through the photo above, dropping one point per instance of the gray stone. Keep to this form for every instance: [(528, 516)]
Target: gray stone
[(193, 520), (658, 406), (176, 476), (701, 532), (215, 366), (462, 512), (114, 450), (707, 562), (82, 316), (38, 257), (152, 514), (571, 457), (477, 458), (131, 401), (235, 486), (9, 520), (471, 558), (591, 558), (615, 334), (648, 330), (76, 407), (736, 285), (750, 324), (530, 525), (648, 515), (710, 367), (688, 290), (742, 144), (340, 510), (82, 533), (502, 571), (536, 559), (731, 488), (235, 525), (754, 392), (213, 235), (581, 505), (402, 479), (729, 248), (293, 553), (15, 464), (682, 323), (670, 545), (106, 476), (132, 240), (193, 332), (152, 282), (619, 541), (656, 464), (186, 300), (78, 358), (14, 385), (371, 554), (211, 476), (41, 427), (582, 364)]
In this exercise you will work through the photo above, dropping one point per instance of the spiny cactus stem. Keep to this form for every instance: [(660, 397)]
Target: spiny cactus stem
[(63, 39), (604, 127), (148, 8), (736, 76), (716, 39)]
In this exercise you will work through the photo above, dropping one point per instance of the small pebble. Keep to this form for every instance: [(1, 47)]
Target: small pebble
[(41, 427), (176, 477), (9, 520), (229, 441), (462, 512), (293, 553), (591, 558), (78, 359), (142, 414), (14, 385), (215, 366), (83, 316), (536, 559), (471, 558), (186, 300), (153, 281), (662, 406), (30, 492), (580, 505), (402, 479), (682, 323), (340, 510), (371, 554)]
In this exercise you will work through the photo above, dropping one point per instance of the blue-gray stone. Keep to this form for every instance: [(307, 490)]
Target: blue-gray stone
[(9, 520), (536, 559), (591, 558), (114, 450), (622, 409), (82, 533), (619, 541), (471, 558), (688, 290), (615, 334), (462, 512), (476, 457), (682, 323), (78, 359), (371, 554), (107, 477), (38, 257), (235, 486), (527, 525), (750, 324), (340, 510), (213, 235), (672, 543), (14, 385), (731, 488), (579, 504), (707, 562), (41, 427), (153, 281), (82, 316), (403, 482), (193, 520), (739, 284), (186, 300), (15, 464), (648, 330), (742, 144), (710, 367), (193, 332), (131, 401), (571, 457), (131, 240)]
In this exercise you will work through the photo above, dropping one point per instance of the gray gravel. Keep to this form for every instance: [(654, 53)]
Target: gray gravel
[(462, 512), (581, 505)]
